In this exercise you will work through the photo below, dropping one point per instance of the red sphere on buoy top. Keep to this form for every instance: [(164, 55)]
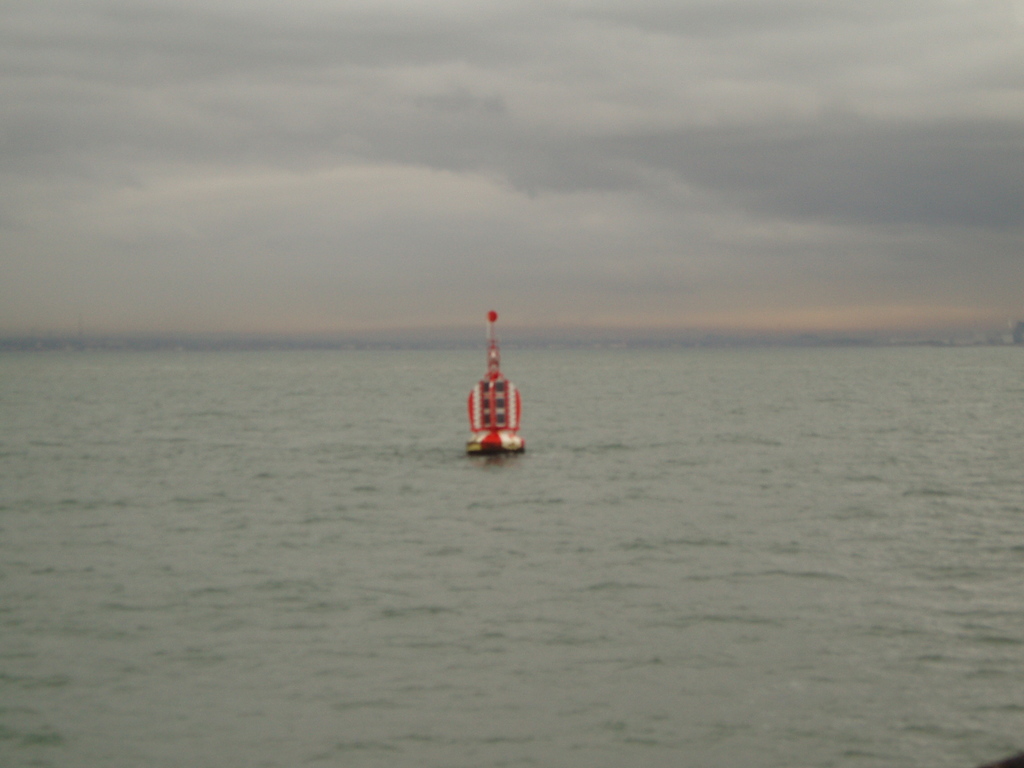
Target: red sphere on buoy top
[(495, 406)]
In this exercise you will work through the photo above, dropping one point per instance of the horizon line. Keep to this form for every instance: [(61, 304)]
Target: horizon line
[(470, 338)]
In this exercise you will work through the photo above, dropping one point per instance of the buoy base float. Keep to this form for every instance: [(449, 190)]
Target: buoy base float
[(488, 443)]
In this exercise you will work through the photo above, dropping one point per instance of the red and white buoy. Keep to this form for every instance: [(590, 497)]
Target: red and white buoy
[(495, 406)]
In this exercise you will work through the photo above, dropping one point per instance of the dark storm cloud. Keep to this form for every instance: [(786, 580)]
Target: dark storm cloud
[(652, 161)]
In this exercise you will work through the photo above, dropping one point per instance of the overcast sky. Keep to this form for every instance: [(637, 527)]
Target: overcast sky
[(343, 165)]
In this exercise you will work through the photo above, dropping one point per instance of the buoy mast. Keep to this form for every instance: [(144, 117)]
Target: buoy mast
[(493, 353)]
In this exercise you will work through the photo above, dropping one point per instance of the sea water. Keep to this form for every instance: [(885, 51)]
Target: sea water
[(779, 558)]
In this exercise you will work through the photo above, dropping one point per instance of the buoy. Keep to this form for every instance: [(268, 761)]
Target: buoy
[(495, 406)]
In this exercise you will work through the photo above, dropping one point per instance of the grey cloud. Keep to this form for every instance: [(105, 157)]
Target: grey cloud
[(850, 170), (721, 19), (624, 149)]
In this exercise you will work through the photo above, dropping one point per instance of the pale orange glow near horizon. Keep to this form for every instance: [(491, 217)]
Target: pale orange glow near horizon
[(868, 320)]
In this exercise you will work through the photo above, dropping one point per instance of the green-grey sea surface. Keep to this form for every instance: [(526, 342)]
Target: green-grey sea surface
[(779, 558)]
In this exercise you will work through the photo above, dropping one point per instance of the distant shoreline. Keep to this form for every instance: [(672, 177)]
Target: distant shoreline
[(228, 342)]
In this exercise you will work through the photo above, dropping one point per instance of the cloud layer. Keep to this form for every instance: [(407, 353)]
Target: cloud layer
[(319, 166)]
